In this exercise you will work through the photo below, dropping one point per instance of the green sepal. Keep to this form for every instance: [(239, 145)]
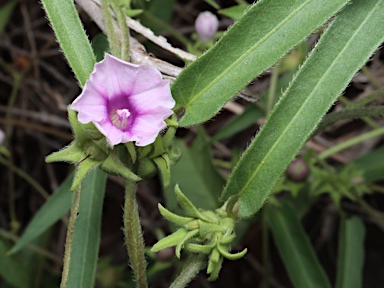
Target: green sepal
[(164, 166), (207, 228), (158, 148), (82, 170), (213, 260), (198, 248), (227, 239), (176, 219), (71, 154), (187, 206), (224, 252), (132, 151), (5, 151), (182, 241), (144, 151), (147, 168), (169, 136), (113, 165), (170, 240), (215, 268)]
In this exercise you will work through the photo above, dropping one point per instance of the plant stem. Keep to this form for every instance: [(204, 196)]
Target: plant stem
[(68, 240), (346, 144), (349, 114), (191, 268), (124, 30), (134, 235), (112, 37)]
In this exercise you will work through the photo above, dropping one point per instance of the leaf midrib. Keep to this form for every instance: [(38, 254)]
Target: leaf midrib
[(245, 55), (277, 142)]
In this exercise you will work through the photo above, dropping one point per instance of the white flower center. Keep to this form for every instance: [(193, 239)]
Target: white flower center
[(120, 118)]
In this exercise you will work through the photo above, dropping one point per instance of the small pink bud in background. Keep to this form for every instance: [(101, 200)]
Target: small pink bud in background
[(298, 170), (126, 102), (2, 136), (206, 25)]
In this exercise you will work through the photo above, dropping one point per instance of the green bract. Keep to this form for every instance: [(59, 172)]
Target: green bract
[(89, 149), (201, 231)]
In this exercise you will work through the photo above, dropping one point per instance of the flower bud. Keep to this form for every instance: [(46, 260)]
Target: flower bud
[(298, 170), (206, 25)]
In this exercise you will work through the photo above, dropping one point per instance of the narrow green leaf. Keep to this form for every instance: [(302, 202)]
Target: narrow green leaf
[(71, 154), (5, 14), (200, 186), (344, 48), (239, 123), (86, 237), (170, 240), (12, 271), (174, 218), (350, 258), (212, 3), (71, 36), (234, 12), (57, 205), (250, 46), (294, 247)]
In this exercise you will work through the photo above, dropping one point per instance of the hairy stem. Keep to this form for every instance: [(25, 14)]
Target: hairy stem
[(68, 240), (191, 268), (349, 114), (134, 235), (124, 30), (112, 37)]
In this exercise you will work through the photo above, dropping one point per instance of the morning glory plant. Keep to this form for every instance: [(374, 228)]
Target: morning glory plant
[(126, 102), (125, 119)]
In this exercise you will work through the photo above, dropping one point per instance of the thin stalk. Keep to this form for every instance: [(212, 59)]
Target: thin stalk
[(346, 144), (364, 101), (69, 237), (25, 176), (112, 37), (194, 264), (271, 100), (367, 120), (17, 77), (38, 250), (349, 114), (134, 235), (124, 30)]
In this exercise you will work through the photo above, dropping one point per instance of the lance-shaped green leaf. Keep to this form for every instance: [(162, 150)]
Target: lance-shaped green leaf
[(350, 260), (181, 244), (12, 270), (176, 219), (346, 45), (235, 256), (198, 248), (250, 46), (54, 208), (113, 165), (295, 249), (86, 236), (71, 154), (82, 170), (170, 240), (187, 206), (71, 36), (164, 165)]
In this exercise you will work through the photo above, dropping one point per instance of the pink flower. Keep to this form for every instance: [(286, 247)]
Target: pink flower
[(206, 25), (126, 102)]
